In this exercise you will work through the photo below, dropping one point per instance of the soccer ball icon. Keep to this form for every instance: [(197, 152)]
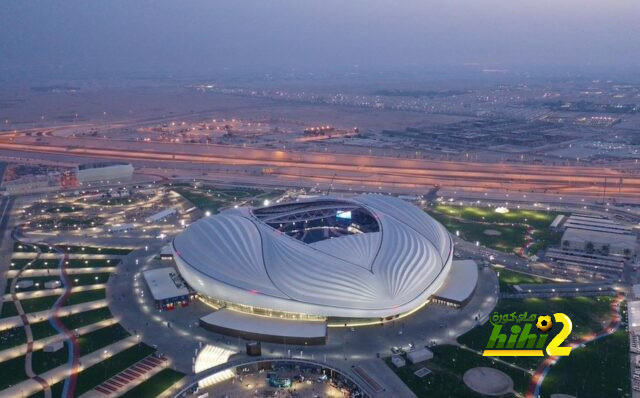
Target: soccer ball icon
[(544, 323)]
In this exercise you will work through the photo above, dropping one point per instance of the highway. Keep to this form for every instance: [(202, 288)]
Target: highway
[(372, 171)]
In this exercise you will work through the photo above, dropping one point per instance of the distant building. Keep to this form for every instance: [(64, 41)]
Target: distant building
[(591, 241), (160, 215), (168, 288), (104, 171)]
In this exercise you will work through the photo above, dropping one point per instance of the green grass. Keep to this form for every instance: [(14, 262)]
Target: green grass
[(12, 337), (52, 263), (19, 263), (97, 339), (208, 198), (600, 369), (42, 330), (586, 313), (40, 280), (472, 222), (38, 304), (96, 374), (83, 297), (67, 222), (89, 279), (448, 366), (12, 372), (8, 309), (119, 201), (44, 361), (155, 385), (511, 237), (508, 278), (23, 248), (537, 219), (64, 209), (93, 263), (76, 280), (81, 319)]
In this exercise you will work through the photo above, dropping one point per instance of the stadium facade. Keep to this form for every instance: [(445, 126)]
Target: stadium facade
[(364, 257)]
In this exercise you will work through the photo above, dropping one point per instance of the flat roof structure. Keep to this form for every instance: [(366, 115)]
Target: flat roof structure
[(461, 284), (634, 316), (165, 283), (600, 237), (274, 330), (635, 289)]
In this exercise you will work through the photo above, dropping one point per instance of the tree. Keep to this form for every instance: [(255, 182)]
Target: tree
[(589, 247)]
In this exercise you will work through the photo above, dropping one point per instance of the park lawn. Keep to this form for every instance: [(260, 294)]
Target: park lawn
[(38, 304), (8, 309), (512, 237), (448, 366), (587, 315), (23, 248), (96, 374), (86, 296), (155, 385), (44, 361), (19, 263), (599, 369), (12, 372), (508, 278), (91, 263), (44, 264), (40, 280), (544, 238), (42, 330), (537, 219), (12, 337), (81, 319), (64, 209), (201, 200), (89, 279), (119, 201), (97, 339)]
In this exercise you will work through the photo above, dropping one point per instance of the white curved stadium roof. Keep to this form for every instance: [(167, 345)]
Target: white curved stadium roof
[(236, 256)]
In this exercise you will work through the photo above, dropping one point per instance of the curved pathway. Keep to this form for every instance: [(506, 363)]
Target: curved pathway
[(72, 342), (28, 364), (70, 338), (543, 369)]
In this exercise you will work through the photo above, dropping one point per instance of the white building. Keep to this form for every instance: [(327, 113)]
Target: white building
[(161, 215), (369, 256), (611, 243)]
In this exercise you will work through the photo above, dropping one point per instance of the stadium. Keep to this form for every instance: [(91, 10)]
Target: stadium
[(365, 257)]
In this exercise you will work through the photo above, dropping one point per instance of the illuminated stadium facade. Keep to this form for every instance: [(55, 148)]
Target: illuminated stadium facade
[(366, 257)]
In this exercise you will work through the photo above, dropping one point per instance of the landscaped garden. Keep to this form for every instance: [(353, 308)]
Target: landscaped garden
[(505, 231)]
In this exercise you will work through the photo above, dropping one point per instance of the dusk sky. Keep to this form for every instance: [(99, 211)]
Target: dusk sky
[(200, 36)]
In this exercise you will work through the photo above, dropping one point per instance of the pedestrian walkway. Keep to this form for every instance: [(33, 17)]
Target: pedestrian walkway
[(53, 292), (56, 271), (53, 376), (20, 350), (40, 316), (72, 256)]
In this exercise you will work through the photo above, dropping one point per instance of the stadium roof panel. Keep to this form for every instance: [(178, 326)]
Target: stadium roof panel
[(236, 257)]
